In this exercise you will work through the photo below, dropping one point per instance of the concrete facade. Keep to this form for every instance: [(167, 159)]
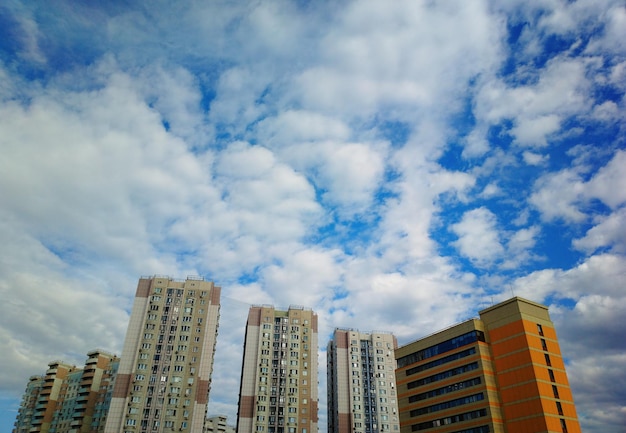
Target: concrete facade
[(278, 390), (218, 424), (69, 399), (165, 372), (361, 382)]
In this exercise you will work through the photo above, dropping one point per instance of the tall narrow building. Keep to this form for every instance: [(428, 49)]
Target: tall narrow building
[(502, 372), (361, 382), (165, 371), (278, 391)]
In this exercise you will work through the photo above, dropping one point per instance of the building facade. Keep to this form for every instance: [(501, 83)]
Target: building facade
[(218, 424), (69, 399), (165, 371), (278, 390), (361, 382), (502, 372)]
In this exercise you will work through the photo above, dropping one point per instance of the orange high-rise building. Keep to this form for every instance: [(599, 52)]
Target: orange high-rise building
[(502, 372)]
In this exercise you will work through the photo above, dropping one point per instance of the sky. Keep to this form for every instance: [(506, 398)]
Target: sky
[(395, 166)]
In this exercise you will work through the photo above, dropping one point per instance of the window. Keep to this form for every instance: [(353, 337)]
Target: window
[(544, 346), (555, 390), (548, 362), (540, 329), (551, 374)]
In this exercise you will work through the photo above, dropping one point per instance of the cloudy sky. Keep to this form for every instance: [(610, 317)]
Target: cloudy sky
[(395, 166)]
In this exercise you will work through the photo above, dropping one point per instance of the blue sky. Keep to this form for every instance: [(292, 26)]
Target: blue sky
[(438, 155)]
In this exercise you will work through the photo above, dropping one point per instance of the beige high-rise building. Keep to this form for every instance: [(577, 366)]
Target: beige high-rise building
[(165, 371), (69, 399), (362, 383), (218, 424), (278, 391)]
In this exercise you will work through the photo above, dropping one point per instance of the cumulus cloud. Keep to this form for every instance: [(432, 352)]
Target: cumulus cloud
[(478, 237), (565, 194), (607, 233), (537, 109), (391, 166)]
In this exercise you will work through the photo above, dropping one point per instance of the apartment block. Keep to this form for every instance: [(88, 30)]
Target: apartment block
[(278, 390), (69, 399), (502, 372), (165, 371), (361, 382), (218, 424)]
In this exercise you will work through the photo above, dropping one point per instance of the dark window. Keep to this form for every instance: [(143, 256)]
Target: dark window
[(559, 408), (445, 390), (540, 329), (443, 375), (454, 419), (443, 347), (555, 390), (551, 374), (544, 346), (548, 362), (448, 404), (563, 425)]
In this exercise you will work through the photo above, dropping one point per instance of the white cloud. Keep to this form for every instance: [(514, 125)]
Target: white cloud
[(491, 190), (608, 232), (565, 194), (375, 57), (478, 237), (304, 277), (609, 184), (532, 158), (536, 109), (559, 195), (535, 131), (252, 148)]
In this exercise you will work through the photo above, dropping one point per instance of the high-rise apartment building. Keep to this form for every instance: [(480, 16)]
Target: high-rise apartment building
[(502, 372), (218, 424), (165, 371), (361, 382), (278, 390), (69, 399)]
